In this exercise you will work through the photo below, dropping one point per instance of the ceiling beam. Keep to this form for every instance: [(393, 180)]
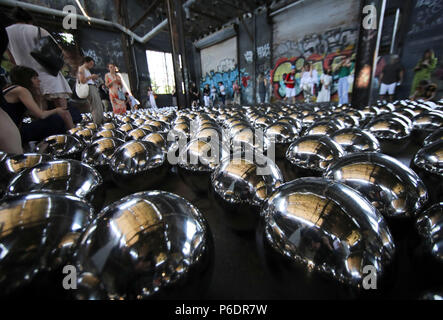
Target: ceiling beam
[(207, 15), (148, 11)]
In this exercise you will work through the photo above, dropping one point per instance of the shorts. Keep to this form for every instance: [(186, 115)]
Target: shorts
[(388, 88), (290, 92)]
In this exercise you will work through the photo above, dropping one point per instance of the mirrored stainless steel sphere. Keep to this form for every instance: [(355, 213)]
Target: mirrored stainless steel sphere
[(104, 133), (356, 140), (430, 158), (389, 127), (142, 246), (64, 146), (326, 127), (13, 165), (69, 176), (38, 233), (435, 136), (328, 227), (241, 180), (158, 139), (394, 189), (3, 155), (429, 219), (282, 132), (430, 226), (138, 165), (314, 152), (100, 152)]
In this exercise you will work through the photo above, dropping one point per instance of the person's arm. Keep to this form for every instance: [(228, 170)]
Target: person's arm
[(25, 96), (433, 62), (414, 96), (11, 57), (81, 76), (401, 74)]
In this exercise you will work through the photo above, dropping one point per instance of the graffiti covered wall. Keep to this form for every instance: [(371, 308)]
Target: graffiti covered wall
[(302, 34), (219, 64)]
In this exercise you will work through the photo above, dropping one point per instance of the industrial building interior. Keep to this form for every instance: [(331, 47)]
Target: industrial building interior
[(221, 149)]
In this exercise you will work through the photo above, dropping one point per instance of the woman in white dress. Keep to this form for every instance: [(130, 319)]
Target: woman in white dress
[(325, 92), (151, 96), (22, 39)]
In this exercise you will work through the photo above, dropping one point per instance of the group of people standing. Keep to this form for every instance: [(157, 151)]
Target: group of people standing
[(311, 85), (212, 95)]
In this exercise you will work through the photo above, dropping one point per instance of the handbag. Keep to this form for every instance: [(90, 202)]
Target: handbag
[(48, 54), (81, 89)]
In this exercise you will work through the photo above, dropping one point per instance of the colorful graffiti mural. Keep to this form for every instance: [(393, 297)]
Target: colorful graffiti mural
[(228, 78), (319, 62)]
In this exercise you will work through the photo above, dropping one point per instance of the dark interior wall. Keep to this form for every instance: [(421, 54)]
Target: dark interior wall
[(103, 47), (246, 59), (255, 53), (424, 31)]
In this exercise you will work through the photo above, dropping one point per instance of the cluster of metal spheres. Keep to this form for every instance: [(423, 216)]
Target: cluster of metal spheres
[(321, 179)]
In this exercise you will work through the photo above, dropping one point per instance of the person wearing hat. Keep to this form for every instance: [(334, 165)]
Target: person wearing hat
[(391, 77), (290, 85)]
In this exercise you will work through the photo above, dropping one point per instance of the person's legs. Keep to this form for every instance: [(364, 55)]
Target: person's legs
[(383, 91), (75, 114), (391, 91), (343, 87), (96, 105), (42, 128), (340, 91), (346, 90)]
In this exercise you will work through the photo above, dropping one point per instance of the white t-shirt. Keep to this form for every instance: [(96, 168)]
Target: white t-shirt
[(222, 90), (88, 74), (22, 40)]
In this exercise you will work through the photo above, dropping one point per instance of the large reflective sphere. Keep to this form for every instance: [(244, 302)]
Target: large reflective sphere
[(430, 226), (142, 246), (64, 146), (282, 132), (69, 176), (356, 140), (329, 227), (314, 152), (138, 165), (37, 233), (388, 127), (430, 158), (13, 165), (435, 136), (394, 189), (99, 153), (241, 180), (201, 156)]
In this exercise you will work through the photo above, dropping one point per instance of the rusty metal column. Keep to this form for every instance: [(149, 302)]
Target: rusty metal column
[(176, 29), (367, 51)]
